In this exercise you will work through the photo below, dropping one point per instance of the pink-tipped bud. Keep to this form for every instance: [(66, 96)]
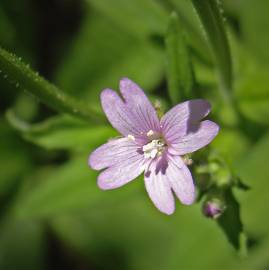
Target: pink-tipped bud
[(213, 208)]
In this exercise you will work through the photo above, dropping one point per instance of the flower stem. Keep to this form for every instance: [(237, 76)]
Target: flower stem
[(22, 77)]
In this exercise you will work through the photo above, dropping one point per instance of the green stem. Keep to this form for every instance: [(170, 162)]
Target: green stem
[(22, 77)]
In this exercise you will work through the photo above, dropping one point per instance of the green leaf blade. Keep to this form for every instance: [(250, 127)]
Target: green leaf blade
[(179, 72), (212, 21), (231, 223), (62, 132)]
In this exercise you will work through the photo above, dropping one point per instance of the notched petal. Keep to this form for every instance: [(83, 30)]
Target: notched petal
[(121, 174), (134, 115), (181, 181), (183, 118), (159, 190), (114, 152), (204, 134)]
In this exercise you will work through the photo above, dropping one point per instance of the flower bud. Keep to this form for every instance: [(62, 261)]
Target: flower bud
[(213, 208)]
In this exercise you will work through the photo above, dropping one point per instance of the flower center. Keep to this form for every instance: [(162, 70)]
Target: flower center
[(155, 147)]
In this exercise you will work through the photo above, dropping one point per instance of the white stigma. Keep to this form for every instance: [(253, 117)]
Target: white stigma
[(153, 149)]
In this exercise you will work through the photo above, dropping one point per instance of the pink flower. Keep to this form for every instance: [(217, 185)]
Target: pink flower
[(152, 146)]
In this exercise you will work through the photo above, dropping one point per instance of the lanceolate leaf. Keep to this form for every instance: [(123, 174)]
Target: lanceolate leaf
[(179, 73), (22, 77), (209, 12), (63, 132)]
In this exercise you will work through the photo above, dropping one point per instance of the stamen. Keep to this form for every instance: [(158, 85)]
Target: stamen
[(150, 133)]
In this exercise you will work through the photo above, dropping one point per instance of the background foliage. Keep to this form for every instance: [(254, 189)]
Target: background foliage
[(52, 214)]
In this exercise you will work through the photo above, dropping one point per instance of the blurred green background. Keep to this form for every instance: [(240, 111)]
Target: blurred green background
[(52, 214)]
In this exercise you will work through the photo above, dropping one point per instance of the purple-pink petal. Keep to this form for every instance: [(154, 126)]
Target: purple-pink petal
[(180, 180), (121, 173), (139, 104), (113, 152), (203, 134), (121, 158), (118, 114), (183, 118), (165, 174), (159, 189), (134, 115)]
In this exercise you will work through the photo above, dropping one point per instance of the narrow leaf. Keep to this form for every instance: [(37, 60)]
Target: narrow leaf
[(22, 77), (179, 73), (62, 132), (209, 12)]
